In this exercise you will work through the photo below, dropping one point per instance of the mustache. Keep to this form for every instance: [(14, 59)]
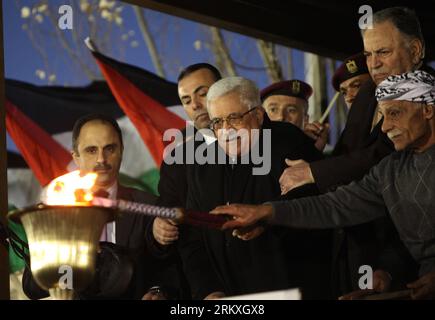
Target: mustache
[(392, 134), (228, 135), (378, 71), (102, 166)]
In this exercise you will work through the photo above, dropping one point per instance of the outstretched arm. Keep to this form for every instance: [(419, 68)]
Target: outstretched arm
[(356, 203)]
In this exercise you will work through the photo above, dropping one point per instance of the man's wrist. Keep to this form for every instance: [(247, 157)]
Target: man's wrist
[(268, 212), (311, 174)]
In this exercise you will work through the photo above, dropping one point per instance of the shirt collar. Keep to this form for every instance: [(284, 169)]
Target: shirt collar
[(113, 191)]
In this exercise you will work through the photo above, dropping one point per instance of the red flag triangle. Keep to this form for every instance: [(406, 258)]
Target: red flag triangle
[(46, 157), (150, 118)]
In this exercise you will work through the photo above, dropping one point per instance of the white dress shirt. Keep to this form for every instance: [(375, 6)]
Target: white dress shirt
[(109, 231)]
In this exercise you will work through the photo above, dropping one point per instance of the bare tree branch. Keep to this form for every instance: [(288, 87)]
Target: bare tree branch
[(221, 52), (267, 52), (290, 67), (149, 41), (73, 55)]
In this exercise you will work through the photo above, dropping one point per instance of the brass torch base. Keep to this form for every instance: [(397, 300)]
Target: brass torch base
[(63, 244)]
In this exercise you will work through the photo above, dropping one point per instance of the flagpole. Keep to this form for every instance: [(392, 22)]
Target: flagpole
[(329, 108), (4, 257)]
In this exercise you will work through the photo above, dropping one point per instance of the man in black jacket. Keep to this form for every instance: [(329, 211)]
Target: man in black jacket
[(220, 264), (193, 84), (125, 270), (394, 45)]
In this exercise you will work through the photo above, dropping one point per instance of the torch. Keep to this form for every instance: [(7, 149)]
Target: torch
[(63, 233), (179, 215)]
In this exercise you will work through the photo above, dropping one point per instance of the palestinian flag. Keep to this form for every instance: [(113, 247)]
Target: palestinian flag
[(15, 162), (55, 109), (148, 115), (46, 157)]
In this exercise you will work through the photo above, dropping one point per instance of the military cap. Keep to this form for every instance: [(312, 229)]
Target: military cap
[(292, 88), (351, 67)]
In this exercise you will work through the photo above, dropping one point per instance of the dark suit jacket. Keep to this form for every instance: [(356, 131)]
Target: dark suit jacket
[(131, 235), (173, 193), (358, 148), (130, 240), (280, 258)]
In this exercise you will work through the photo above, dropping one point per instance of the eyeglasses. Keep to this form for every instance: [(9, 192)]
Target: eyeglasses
[(232, 120)]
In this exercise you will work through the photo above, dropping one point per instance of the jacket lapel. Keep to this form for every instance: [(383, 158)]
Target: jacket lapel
[(124, 222)]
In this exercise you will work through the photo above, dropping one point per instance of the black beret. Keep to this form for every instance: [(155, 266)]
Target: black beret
[(292, 88), (351, 67)]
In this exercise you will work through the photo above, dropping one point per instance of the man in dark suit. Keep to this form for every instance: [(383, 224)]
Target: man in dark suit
[(393, 46), (274, 258), (125, 269), (193, 84)]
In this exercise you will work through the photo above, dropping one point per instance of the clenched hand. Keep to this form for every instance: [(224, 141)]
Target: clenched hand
[(297, 174), (318, 132), (165, 231), (423, 288), (381, 283)]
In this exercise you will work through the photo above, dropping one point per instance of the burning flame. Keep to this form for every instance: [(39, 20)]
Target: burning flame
[(70, 189)]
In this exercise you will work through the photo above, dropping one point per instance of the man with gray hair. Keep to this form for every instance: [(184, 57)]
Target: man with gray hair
[(402, 183), (393, 46), (276, 259), (245, 91)]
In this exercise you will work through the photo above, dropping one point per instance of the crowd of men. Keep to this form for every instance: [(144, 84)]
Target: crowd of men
[(311, 221)]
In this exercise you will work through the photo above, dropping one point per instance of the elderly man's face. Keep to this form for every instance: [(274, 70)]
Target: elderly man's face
[(407, 124), (192, 91), (350, 88), (99, 150), (234, 122), (388, 53), (286, 109)]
